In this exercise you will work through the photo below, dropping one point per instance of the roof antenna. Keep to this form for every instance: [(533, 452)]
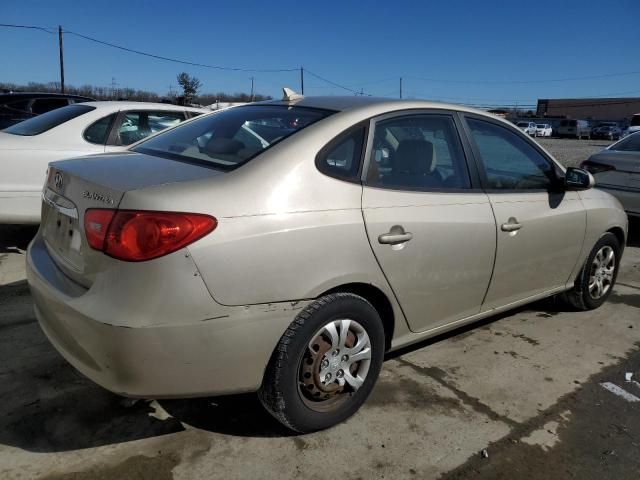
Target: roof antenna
[(289, 95)]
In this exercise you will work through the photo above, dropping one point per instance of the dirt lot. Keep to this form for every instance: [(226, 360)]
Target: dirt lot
[(525, 386)]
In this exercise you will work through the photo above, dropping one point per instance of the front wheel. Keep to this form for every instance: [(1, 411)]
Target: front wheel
[(597, 276), (326, 363)]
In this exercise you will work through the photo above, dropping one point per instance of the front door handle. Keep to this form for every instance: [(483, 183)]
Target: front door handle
[(395, 236), (512, 225)]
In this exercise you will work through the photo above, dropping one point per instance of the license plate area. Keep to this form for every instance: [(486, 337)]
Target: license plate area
[(62, 231)]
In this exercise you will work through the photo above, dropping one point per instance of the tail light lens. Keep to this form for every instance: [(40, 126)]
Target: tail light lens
[(135, 236), (96, 223)]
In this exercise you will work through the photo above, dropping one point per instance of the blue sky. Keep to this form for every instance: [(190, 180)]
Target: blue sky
[(461, 51)]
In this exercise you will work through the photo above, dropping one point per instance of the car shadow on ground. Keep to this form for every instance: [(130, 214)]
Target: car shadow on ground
[(15, 238), (47, 406)]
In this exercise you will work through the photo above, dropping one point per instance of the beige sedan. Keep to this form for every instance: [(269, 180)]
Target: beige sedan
[(284, 247)]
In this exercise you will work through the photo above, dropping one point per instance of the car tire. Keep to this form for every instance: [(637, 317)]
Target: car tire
[(585, 295), (311, 382)]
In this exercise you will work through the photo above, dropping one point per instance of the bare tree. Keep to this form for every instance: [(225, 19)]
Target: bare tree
[(190, 86)]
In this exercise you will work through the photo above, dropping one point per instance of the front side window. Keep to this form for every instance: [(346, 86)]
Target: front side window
[(418, 152), (161, 120), (49, 120), (509, 161), (231, 137)]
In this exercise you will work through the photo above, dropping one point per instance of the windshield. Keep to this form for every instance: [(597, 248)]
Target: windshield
[(628, 144), (231, 137), (47, 121), (522, 124), (541, 126)]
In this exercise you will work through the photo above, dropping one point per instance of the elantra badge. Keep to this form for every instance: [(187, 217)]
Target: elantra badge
[(98, 196)]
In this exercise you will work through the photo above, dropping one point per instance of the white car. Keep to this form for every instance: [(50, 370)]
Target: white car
[(527, 127), (26, 148), (543, 130), (634, 126)]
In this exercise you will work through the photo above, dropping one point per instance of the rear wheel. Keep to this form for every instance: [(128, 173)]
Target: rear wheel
[(325, 364), (597, 276)]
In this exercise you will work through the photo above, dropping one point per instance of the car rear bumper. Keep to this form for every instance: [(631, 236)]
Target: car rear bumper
[(221, 355)]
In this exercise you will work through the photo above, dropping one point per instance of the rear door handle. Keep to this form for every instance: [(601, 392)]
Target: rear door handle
[(512, 225), (395, 236)]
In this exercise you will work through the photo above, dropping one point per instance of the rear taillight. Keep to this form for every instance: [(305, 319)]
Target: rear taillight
[(96, 223), (136, 236)]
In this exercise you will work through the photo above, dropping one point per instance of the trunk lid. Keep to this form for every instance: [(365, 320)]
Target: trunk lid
[(98, 181)]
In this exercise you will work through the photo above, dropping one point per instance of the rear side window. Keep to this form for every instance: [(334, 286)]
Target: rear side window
[(49, 120), (232, 137), (418, 152), (341, 157), (43, 105), (138, 125), (98, 131)]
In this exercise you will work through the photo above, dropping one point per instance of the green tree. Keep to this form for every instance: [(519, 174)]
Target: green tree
[(190, 86)]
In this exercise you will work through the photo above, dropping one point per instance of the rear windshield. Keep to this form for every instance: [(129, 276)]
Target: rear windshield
[(232, 137), (628, 144), (47, 121), (635, 121)]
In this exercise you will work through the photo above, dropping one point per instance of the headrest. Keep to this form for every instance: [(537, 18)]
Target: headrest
[(226, 146), (415, 157)]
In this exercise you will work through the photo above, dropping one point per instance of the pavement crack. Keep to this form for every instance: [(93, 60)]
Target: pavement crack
[(440, 376)]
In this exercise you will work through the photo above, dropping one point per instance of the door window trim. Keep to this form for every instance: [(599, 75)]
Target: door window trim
[(468, 158), (475, 151)]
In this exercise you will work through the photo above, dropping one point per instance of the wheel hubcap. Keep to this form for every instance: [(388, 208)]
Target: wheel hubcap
[(334, 365), (601, 274)]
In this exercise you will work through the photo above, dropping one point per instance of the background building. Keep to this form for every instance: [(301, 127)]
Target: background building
[(615, 109)]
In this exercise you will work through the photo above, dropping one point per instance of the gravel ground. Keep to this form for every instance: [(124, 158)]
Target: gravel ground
[(571, 152)]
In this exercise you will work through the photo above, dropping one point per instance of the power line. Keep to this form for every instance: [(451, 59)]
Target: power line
[(331, 82), (184, 62), (31, 27), (526, 82)]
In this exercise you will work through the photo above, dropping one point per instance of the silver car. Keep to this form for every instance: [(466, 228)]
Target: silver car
[(284, 247), (617, 171)]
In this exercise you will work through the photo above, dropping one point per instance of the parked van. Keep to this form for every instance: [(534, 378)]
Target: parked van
[(574, 129)]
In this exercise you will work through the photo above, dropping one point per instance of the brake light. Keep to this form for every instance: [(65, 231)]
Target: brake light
[(96, 223), (136, 236)]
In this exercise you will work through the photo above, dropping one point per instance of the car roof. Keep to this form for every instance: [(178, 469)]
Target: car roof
[(144, 105), (344, 103)]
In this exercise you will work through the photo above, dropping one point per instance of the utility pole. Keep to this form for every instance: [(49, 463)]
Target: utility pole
[(61, 59), (252, 89), (400, 87), (302, 80)]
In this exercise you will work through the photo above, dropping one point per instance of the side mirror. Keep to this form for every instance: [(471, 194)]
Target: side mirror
[(578, 179)]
